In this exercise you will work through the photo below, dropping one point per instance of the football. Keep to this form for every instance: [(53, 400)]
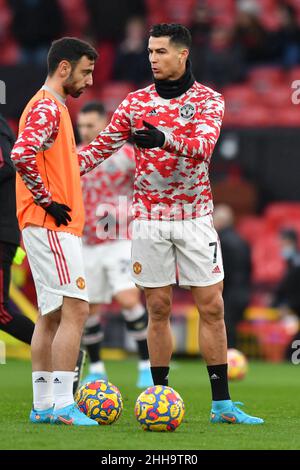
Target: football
[(237, 364), (159, 408), (100, 400)]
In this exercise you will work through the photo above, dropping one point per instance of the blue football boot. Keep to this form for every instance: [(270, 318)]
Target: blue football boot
[(226, 411), (41, 416), (92, 377), (71, 415), (145, 378)]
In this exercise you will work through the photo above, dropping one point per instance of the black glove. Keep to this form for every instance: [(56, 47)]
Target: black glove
[(149, 138), (59, 212)]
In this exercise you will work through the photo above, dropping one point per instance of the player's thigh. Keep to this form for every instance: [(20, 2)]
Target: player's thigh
[(198, 252), (97, 281), (153, 262), (118, 261), (56, 262)]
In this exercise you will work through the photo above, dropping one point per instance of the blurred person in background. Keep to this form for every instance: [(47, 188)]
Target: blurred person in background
[(223, 59), (201, 25), (131, 62), (237, 268), (285, 41), (250, 34), (11, 321), (118, 10), (287, 294), (35, 24), (107, 255)]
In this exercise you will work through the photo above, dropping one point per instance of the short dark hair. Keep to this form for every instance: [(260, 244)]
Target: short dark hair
[(177, 33), (70, 49), (94, 106)]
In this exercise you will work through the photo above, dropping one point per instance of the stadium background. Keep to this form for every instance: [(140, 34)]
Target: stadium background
[(248, 50)]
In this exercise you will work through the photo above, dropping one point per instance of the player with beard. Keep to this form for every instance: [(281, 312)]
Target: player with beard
[(51, 216)]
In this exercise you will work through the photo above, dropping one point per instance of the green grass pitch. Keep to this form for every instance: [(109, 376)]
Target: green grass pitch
[(270, 391)]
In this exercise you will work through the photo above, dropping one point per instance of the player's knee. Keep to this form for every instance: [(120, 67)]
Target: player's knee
[(159, 307), (77, 311), (213, 309), (128, 299)]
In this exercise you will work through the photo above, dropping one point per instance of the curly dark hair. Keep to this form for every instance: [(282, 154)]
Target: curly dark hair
[(70, 49)]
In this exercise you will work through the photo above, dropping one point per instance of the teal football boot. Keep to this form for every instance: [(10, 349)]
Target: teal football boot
[(145, 378), (226, 411), (92, 377), (41, 416), (71, 415)]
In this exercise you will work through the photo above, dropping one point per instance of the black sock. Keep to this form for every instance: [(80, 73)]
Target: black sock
[(92, 340), (160, 375), (94, 351), (20, 327), (143, 349), (219, 382)]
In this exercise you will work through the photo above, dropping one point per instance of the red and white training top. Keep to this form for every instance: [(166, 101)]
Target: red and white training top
[(109, 189), (174, 178)]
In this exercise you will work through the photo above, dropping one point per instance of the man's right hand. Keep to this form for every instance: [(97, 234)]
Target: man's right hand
[(59, 212)]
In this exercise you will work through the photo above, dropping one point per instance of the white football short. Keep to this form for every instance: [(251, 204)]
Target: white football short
[(57, 267), (189, 247), (107, 268)]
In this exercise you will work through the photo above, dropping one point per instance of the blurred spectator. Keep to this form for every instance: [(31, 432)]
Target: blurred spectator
[(285, 42), (200, 30), (237, 268), (201, 25), (222, 61), (287, 294), (132, 63), (250, 34), (107, 18), (35, 24)]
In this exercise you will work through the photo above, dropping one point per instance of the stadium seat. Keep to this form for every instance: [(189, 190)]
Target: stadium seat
[(225, 192), (10, 52), (218, 9), (179, 11), (107, 52), (255, 116), (239, 95), (268, 266), (251, 228), (238, 99), (278, 96), (282, 214), (264, 77), (75, 16), (287, 117), (156, 12), (114, 93), (294, 74)]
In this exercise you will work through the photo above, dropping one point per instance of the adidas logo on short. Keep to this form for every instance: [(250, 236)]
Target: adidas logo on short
[(56, 381), (40, 380), (216, 270)]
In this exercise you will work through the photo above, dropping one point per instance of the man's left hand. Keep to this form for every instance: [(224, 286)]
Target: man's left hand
[(149, 138)]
